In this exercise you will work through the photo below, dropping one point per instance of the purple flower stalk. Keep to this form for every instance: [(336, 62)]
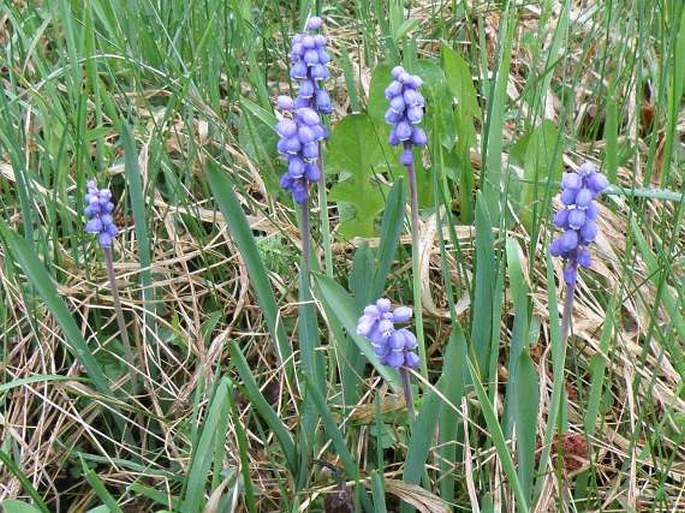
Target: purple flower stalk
[(98, 211), (299, 144), (405, 112), (309, 61), (578, 218), (394, 347)]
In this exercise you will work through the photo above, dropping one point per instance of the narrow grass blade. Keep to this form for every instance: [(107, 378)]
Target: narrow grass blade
[(8, 462), (558, 358), (527, 404), (15, 153), (362, 273), (391, 228), (38, 378), (494, 121), (241, 439), (598, 365), (40, 279), (242, 235), (212, 436), (498, 440), (454, 374), (350, 362), (519, 332), (135, 188), (332, 430), (262, 406), (422, 434), (378, 492), (99, 488), (341, 304), (484, 288), (611, 131), (157, 496)]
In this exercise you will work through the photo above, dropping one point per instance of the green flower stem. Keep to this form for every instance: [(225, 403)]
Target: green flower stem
[(415, 264), (109, 263)]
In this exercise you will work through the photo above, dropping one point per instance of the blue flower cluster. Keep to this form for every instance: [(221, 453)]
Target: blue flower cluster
[(301, 135), (98, 211), (394, 347), (299, 144), (578, 218), (405, 112), (308, 67)]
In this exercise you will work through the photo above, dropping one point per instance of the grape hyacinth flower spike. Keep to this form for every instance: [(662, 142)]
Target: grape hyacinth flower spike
[(395, 347), (309, 71), (578, 220), (98, 211), (405, 111), (309, 60), (299, 144)]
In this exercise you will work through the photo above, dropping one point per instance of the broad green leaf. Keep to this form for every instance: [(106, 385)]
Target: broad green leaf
[(15, 506), (454, 374), (354, 152), (378, 103), (493, 140), (102, 509), (423, 432), (460, 82), (405, 28), (378, 492), (484, 288), (439, 119), (362, 273), (519, 333)]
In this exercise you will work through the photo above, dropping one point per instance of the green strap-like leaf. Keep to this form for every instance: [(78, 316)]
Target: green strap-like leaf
[(262, 406), (212, 436), (242, 235)]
